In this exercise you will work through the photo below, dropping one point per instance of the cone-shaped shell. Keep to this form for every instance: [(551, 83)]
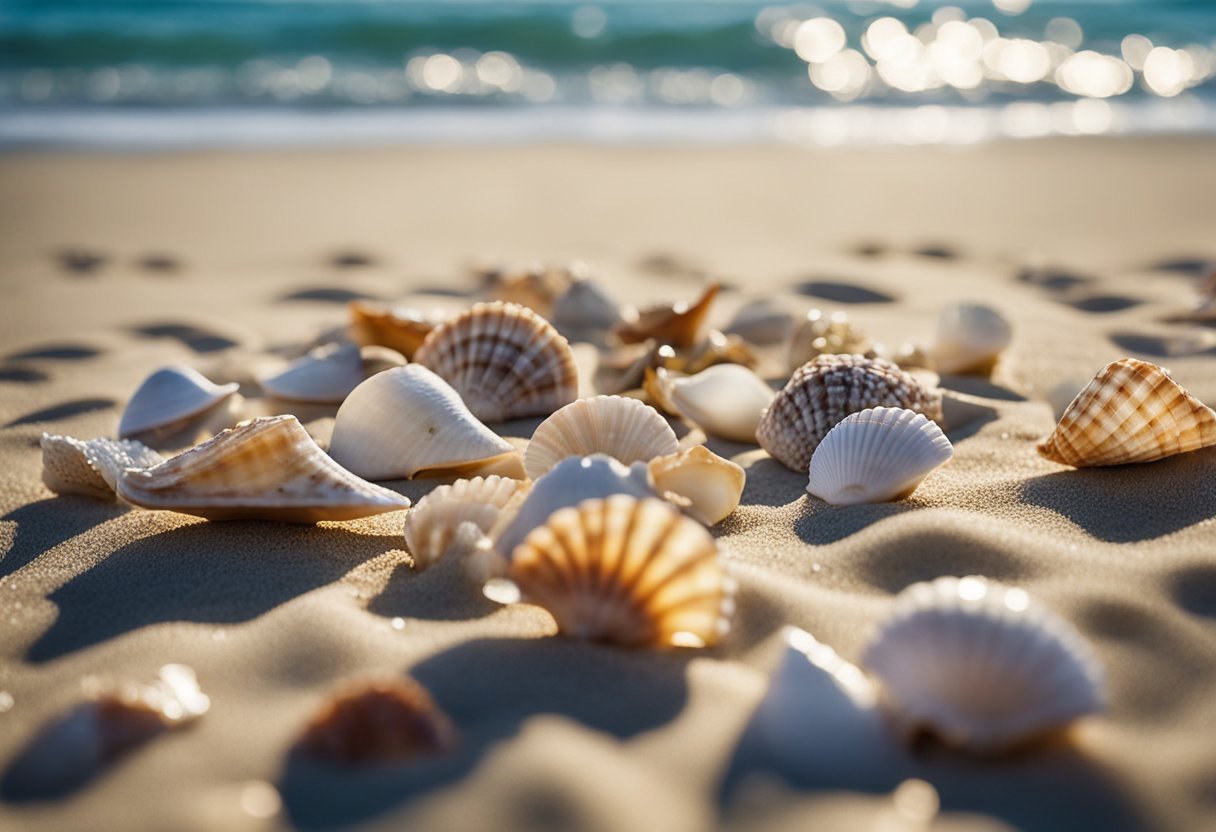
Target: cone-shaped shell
[(264, 469), (626, 571), (709, 484), (626, 429), (981, 665), (169, 396), (91, 468), (876, 455), (504, 360), (325, 375), (431, 527), (970, 337), (724, 400), (408, 421), (825, 390), (1132, 411), (679, 324), (402, 329), (819, 334)]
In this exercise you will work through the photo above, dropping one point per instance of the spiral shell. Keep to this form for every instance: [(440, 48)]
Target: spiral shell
[(626, 429), (431, 526)]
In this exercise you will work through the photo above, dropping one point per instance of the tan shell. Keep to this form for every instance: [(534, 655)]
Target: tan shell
[(825, 390), (537, 286), (431, 527), (970, 338), (625, 429), (91, 468), (626, 571), (724, 400), (168, 398), (1132, 411), (504, 360), (677, 324), (264, 469), (710, 484), (399, 328), (819, 334)]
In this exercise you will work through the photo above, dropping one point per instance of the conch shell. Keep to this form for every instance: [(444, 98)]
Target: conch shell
[(625, 429)]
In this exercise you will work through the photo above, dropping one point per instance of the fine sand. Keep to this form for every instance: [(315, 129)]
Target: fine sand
[(114, 265)]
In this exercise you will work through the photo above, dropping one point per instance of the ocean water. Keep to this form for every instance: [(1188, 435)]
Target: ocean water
[(152, 73)]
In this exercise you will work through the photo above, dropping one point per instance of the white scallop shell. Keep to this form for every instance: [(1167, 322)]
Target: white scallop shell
[(431, 527), (982, 666), (325, 375), (407, 421), (168, 396), (970, 336), (626, 429), (725, 400), (877, 455), (709, 485)]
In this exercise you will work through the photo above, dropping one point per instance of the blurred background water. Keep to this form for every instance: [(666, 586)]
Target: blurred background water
[(148, 73)]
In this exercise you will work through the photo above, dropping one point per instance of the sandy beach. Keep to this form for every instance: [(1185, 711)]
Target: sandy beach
[(113, 265)]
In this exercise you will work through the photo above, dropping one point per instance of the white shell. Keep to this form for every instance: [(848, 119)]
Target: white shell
[(982, 666), (970, 336), (625, 429), (877, 455), (325, 375), (430, 529), (725, 400), (406, 421), (706, 486), (91, 468), (585, 308), (168, 396)]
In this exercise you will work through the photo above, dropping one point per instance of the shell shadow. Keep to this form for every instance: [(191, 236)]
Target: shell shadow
[(1159, 346), (820, 523), (1194, 589), (62, 411), (1102, 304), (937, 251), (769, 483), (350, 259), (1054, 279), (159, 263), (22, 375), (55, 352), (839, 291), (923, 555), (192, 337), (1186, 265), (43, 525), (981, 387), (325, 294), (79, 261), (440, 593)]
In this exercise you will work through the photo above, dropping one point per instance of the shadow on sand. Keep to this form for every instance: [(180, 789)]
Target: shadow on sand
[(43, 525), (62, 411)]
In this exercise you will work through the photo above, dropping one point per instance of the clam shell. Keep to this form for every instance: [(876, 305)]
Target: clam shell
[(585, 309), (169, 396), (626, 571), (725, 400), (1132, 411), (825, 390), (325, 375), (762, 322), (625, 429), (819, 334), (91, 468), (877, 455), (709, 484), (264, 469), (407, 421), (399, 328), (504, 360), (431, 527), (677, 324), (970, 337)]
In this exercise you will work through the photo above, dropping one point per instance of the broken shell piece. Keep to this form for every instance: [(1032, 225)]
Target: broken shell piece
[(725, 400), (431, 527), (876, 455), (625, 429), (818, 334), (377, 722), (407, 422), (970, 338), (264, 469), (91, 468), (399, 328), (1132, 411), (714, 349), (678, 324), (168, 398), (325, 375), (981, 665), (762, 322), (710, 484)]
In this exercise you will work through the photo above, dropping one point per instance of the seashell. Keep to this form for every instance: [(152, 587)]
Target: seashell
[(714, 349), (431, 527), (377, 359), (725, 400), (168, 398), (762, 322), (1132, 411), (326, 374), (970, 338), (399, 328), (407, 422), (677, 324), (626, 571), (825, 390), (981, 665), (818, 334), (504, 360), (92, 468), (626, 429), (585, 309), (537, 286), (912, 356), (380, 721), (710, 484), (877, 455), (264, 469)]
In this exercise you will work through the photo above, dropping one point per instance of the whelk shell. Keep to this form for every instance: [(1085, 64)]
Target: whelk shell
[(327, 374), (168, 398), (970, 338), (91, 468), (877, 455), (431, 527), (679, 324), (504, 360), (625, 429), (818, 334), (407, 422), (710, 485), (982, 666), (825, 390), (725, 400), (264, 469), (399, 328), (1132, 411)]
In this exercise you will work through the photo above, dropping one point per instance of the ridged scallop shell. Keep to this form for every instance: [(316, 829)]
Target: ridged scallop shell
[(678, 324), (970, 337), (626, 429), (1132, 411), (877, 455), (819, 334), (762, 322), (504, 360), (981, 665), (724, 400), (264, 469), (399, 328), (626, 571), (91, 468), (709, 484), (382, 721), (168, 397), (431, 526), (407, 421), (825, 390)]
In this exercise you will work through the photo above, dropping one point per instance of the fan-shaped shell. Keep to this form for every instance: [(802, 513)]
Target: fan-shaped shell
[(819, 334), (626, 571), (825, 390), (678, 324), (504, 360), (1132, 411), (325, 375), (399, 328), (981, 665), (710, 485), (264, 469), (877, 455), (970, 337), (169, 396), (724, 400), (625, 429), (407, 421), (431, 527), (91, 468)]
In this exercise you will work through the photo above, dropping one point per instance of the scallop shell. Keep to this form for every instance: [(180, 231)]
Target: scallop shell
[(504, 360), (981, 665), (876, 455), (399, 328), (325, 375), (1132, 411), (407, 421), (709, 484), (91, 468), (725, 400), (678, 324), (626, 571), (383, 721), (970, 338), (625, 429), (818, 334), (585, 309), (264, 469), (431, 527), (825, 390), (168, 397), (762, 322)]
